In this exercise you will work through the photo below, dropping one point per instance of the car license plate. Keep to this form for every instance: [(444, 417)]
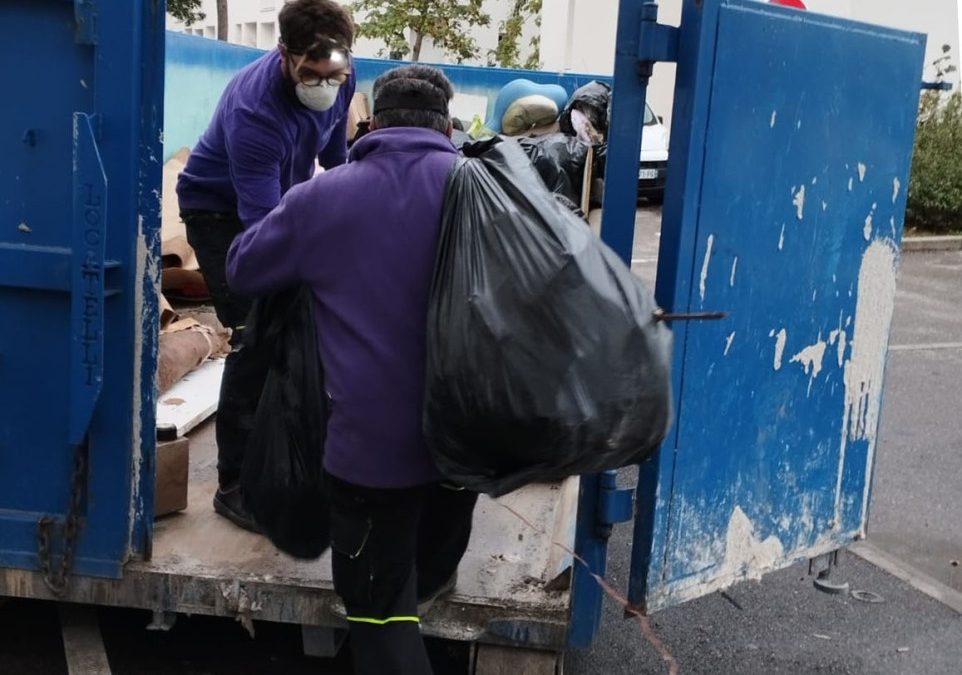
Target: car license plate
[(647, 174)]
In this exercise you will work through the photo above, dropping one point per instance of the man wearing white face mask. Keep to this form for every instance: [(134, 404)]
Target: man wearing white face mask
[(276, 118)]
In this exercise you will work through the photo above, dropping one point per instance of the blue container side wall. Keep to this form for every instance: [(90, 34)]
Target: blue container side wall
[(198, 69)]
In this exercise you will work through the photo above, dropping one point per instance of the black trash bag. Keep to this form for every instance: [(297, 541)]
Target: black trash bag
[(560, 160), (544, 359), (282, 478), (460, 137), (593, 100), (600, 160)]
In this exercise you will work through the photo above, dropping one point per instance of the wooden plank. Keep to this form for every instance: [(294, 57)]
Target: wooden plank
[(594, 221), (507, 562), (586, 181), (193, 399), (563, 532), (83, 645), (202, 564)]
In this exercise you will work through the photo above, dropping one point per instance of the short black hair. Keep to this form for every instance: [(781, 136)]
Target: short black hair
[(407, 79), (314, 27)]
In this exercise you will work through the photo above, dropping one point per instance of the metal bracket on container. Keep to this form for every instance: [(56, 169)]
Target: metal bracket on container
[(615, 505), (87, 277), (661, 315), (85, 15), (657, 43)]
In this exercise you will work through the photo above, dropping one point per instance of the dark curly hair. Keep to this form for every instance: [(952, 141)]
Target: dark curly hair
[(315, 27)]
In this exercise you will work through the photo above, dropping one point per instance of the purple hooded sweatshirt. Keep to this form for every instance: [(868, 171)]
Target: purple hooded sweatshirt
[(261, 142), (363, 237)]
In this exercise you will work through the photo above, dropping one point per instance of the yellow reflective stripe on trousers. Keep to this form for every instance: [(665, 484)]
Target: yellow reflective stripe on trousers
[(383, 622)]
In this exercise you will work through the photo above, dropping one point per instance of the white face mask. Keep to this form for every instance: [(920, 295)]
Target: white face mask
[(317, 98)]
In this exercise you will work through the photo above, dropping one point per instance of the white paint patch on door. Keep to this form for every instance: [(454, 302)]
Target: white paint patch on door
[(781, 238), (704, 266), (781, 338), (799, 202), (728, 342), (839, 338), (867, 231), (866, 365), (861, 172), (896, 187), (811, 359), (774, 117), (731, 280), (747, 556)]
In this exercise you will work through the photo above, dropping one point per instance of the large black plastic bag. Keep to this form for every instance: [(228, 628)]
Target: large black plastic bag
[(593, 99), (544, 360), (282, 477), (560, 161)]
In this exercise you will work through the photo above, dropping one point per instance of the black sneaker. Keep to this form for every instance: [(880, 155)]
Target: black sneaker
[(230, 504)]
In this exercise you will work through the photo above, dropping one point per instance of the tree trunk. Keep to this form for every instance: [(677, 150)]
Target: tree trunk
[(222, 22), (418, 32), (418, 42)]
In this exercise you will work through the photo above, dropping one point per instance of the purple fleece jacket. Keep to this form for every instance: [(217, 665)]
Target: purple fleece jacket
[(261, 142), (364, 237)]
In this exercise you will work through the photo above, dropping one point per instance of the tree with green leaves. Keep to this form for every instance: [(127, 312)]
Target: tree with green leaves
[(404, 24), (508, 53), (187, 11), (935, 188), (935, 185)]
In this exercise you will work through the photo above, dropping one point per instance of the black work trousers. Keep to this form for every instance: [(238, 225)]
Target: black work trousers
[(210, 234), (390, 549)]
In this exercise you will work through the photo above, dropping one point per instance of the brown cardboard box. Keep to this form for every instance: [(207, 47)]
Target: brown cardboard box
[(359, 111), (170, 490)]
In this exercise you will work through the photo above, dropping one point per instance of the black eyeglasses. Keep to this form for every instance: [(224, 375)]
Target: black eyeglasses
[(321, 51), (314, 80)]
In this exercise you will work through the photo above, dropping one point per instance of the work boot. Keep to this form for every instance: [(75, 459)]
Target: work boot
[(229, 502)]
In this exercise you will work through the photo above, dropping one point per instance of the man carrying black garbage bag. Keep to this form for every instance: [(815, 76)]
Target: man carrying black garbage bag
[(276, 119), (363, 238)]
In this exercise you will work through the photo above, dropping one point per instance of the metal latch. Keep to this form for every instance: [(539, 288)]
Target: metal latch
[(657, 43), (615, 505)]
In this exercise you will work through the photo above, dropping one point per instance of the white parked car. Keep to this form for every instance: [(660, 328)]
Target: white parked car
[(654, 158)]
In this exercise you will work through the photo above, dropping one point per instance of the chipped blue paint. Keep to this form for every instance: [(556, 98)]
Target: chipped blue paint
[(148, 255), (100, 68), (790, 128)]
